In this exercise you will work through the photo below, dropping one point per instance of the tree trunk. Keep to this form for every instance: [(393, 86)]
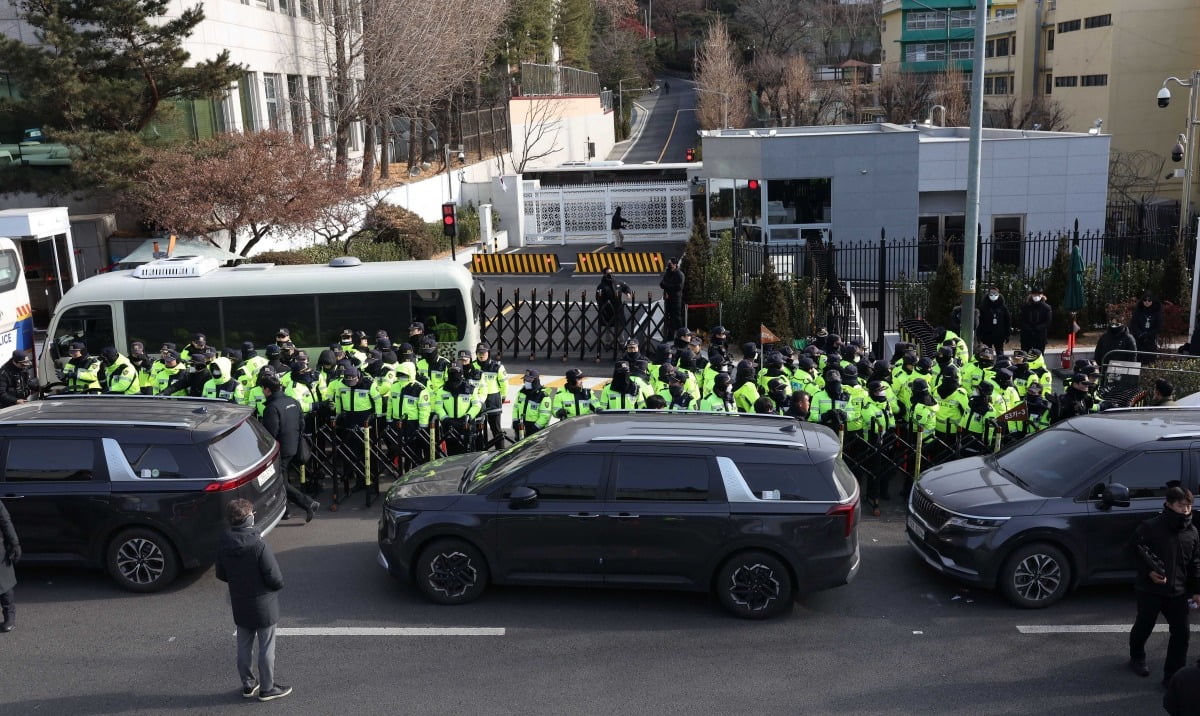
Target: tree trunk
[(367, 176), (385, 146), (341, 85)]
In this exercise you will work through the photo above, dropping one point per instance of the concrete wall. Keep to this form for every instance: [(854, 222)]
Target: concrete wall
[(552, 130)]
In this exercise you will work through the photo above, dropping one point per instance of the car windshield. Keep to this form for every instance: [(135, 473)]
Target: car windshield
[(1052, 462), (503, 463)]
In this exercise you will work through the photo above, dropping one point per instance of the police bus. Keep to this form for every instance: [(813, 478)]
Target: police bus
[(171, 299), (16, 314)]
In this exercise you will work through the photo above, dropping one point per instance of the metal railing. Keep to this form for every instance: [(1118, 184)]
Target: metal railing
[(537, 80)]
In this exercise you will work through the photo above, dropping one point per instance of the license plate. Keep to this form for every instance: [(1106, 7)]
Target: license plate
[(265, 476), (916, 528)]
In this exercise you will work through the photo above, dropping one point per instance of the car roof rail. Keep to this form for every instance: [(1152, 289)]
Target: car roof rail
[(122, 396), (1180, 436), (1136, 408), (43, 422)]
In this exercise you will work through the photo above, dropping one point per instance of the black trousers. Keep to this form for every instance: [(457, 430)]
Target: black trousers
[(1175, 609), (8, 604)]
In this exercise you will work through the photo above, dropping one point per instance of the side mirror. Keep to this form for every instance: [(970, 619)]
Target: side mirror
[(1114, 495), (522, 497)]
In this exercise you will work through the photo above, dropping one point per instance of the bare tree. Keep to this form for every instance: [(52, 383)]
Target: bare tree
[(950, 91), (775, 27), (1134, 175), (537, 137), (767, 71), (1038, 112), (903, 96), (719, 73)]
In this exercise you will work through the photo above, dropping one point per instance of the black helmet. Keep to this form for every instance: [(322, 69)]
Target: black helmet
[(919, 385), (950, 371), (108, 354), (574, 374), (722, 380), (806, 364)]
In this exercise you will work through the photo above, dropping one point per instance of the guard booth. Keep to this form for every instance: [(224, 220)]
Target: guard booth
[(47, 253)]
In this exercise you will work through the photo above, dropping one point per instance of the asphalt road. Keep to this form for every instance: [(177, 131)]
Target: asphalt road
[(898, 640), (670, 126)]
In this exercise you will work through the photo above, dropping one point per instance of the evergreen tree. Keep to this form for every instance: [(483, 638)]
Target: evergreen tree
[(1175, 285), (771, 303), (529, 32), (573, 29), (697, 261), (98, 76), (945, 290), (1057, 278)]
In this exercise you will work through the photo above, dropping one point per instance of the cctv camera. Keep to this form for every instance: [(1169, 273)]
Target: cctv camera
[(1164, 97), (462, 157), (1177, 152)]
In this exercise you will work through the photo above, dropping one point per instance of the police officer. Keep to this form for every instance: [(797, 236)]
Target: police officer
[(680, 399), (1077, 400), (458, 407), (493, 382), (745, 392), (952, 410), (980, 424), (532, 408), (409, 411), (622, 393), (720, 398), (718, 347), (252, 364), (779, 390), (196, 347), (573, 399), (118, 375), (1040, 410), (197, 375), (431, 366), (880, 434), (831, 405), (17, 383), (81, 372), (143, 364), (223, 386), (355, 402)]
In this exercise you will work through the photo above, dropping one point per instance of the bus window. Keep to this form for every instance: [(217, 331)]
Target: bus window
[(10, 270), (174, 320), (366, 311), (256, 318), (92, 324), (442, 312)]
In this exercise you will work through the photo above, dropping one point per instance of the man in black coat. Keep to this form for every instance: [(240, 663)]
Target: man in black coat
[(995, 322), (1116, 338), (1034, 320), (8, 577), (247, 564), (672, 287), (1167, 549), (1145, 323), (610, 297), (17, 384), (284, 419)]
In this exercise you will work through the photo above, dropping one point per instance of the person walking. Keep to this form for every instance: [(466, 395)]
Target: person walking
[(618, 222), (247, 564), (610, 297), (672, 287), (8, 576), (1034, 320), (1167, 550), (283, 418)]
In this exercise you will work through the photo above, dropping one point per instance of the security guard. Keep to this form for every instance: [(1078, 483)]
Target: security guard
[(532, 408), (119, 375), (952, 409), (81, 372), (458, 407), (409, 411), (223, 386), (622, 393), (171, 378), (493, 382), (573, 399), (720, 398)]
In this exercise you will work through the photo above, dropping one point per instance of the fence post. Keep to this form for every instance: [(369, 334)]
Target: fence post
[(881, 289), (830, 287)]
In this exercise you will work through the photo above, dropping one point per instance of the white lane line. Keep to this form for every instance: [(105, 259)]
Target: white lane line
[(390, 631), (1088, 628)]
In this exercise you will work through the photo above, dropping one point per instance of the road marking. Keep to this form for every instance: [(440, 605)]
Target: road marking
[(667, 144), (1088, 628), (390, 631), (507, 310)]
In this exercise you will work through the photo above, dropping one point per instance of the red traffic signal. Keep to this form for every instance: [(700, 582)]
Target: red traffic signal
[(753, 185), (449, 221), (690, 154)]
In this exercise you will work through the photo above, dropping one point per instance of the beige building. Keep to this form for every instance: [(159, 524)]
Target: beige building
[(1096, 59)]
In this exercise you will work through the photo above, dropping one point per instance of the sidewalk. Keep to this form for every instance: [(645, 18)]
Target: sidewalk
[(641, 109)]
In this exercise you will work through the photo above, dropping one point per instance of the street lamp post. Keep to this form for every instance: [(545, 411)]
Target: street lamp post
[(724, 106), (1189, 166), (974, 160)]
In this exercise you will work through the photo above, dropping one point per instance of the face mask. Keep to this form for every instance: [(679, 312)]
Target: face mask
[(527, 385), (993, 297), (879, 398), (1114, 326), (1036, 298), (216, 372)]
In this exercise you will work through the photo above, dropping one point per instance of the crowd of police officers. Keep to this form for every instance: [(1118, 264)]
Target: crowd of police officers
[(951, 404)]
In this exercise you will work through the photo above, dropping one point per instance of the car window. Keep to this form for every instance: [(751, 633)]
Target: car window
[(572, 476), (241, 448), (1147, 474), (791, 482), (166, 461), (1052, 462), (652, 477), (502, 464), (50, 460)]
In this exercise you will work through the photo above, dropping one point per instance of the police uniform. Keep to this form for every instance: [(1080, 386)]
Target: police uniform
[(119, 375), (458, 405), (532, 408), (409, 411), (573, 399)]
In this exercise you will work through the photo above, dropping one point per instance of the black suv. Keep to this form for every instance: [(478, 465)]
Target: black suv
[(136, 484), (753, 508), (1057, 509)]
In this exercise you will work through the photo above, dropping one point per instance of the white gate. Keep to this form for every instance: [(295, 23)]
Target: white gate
[(657, 210)]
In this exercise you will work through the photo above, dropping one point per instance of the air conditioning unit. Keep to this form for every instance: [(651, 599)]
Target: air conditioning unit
[(177, 267)]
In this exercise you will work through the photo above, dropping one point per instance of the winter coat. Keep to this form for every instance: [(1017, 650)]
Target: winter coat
[(249, 566), (672, 284), (1115, 339), (283, 418), (1034, 321), (1160, 546), (8, 576), (1145, 325), (995, 322), (15, 384), (609, 296)]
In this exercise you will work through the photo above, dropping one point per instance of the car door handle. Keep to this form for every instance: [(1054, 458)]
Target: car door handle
[(625, 516), (583, 516)]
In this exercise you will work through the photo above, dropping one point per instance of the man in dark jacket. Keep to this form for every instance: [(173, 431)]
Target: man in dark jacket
[(16, 382), (1167, 549), (672, 286), (1116, 338), (1034, 321), (995, 322), (284, 419), (610, 297), (1145, 324), (247, 564), (8, 577)]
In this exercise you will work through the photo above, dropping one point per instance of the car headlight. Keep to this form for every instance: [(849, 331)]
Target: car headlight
[(395, 515), (975, 524)]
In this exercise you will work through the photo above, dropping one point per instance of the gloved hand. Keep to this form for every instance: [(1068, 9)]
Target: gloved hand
[(561, 414), (13, 555)]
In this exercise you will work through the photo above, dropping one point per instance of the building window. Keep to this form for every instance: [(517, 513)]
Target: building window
[(1069, 26), (1066, 81), (1097, 21), (988, 85), (248, 94), (331, 107), (295, 89), (989, 49), (925, 51), (998, 85), (962, 18), (285, 7), (264, 4), (962, 50), (1049, 40), (925, 21), (1049, 83), (1002, 13), (318, 118), (271, 92), (1093, 80), (1002, 45), (306, 8)]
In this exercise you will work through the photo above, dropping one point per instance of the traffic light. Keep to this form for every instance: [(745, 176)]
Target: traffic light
[(449, 221), (690, 154), (753, 185)]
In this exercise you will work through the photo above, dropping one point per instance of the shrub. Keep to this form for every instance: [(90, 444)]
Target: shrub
[(945, 290), (283, 258), (771, 302), (912, 298), (396, 225)]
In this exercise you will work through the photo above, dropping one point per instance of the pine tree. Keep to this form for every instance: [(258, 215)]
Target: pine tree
[(1057, 278), (945, 290), (573, 29), (1174, 285), (771, 303), (98, 76), (697, 260)]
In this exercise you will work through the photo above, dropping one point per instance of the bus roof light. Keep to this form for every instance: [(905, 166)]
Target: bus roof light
[(177, 266)]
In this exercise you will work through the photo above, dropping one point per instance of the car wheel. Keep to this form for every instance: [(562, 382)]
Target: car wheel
[(1035, 576), (142, 560), (451, 572), (754, 585)]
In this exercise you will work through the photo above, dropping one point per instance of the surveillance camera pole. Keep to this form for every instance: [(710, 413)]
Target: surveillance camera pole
[(974, 154), (1189, 165)]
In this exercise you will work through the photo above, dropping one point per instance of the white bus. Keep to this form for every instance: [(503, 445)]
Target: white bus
[(172, 299), (16, 314)]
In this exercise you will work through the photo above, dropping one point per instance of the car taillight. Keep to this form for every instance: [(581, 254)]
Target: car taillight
[(226, 485), (848, 510)]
